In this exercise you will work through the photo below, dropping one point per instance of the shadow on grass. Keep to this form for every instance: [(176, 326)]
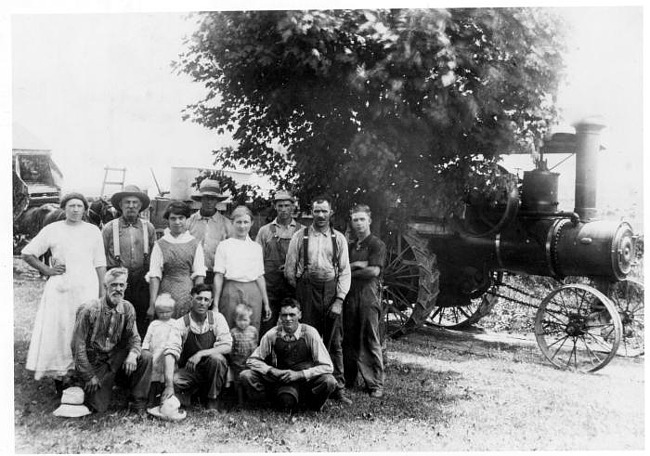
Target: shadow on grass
[(413, 393)]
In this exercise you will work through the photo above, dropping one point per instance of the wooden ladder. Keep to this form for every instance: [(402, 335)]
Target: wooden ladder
[(107, 170)]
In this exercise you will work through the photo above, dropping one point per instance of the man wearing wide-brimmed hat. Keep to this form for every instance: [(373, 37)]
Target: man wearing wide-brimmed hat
[(274, 238), (208, 225), (130, 246)]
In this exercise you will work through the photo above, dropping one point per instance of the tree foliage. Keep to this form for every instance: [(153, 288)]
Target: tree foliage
[(407, 108)]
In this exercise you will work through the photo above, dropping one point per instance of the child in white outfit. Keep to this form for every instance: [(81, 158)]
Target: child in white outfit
[(156, 341)]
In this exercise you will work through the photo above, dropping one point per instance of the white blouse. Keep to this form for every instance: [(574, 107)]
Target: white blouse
[(239, 260), (156, 262)]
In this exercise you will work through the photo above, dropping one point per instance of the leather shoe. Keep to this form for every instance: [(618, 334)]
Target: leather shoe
[(339, 395)]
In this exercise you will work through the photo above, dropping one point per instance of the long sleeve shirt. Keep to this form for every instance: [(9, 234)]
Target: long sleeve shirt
[(321, 361), (320, 255), (131, 243), (210, 231), (179, 332), (98, 329)]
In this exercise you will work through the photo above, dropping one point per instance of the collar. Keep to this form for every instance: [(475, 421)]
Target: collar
[(358, 244), (315, 232), (282, 333), (181, 239), (106, 307), (292, 223), (137, 223)]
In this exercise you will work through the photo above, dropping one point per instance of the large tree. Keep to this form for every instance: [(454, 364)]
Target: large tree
[(389, 107)]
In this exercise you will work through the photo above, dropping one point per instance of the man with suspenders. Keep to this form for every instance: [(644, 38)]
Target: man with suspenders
[(128, 241), (274, 238), (195, 357), (318, 266)]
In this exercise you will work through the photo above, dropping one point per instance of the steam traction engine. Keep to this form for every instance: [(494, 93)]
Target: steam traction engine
[(448, 273)]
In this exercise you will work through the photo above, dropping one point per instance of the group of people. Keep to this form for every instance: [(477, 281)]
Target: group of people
[(122, 306)]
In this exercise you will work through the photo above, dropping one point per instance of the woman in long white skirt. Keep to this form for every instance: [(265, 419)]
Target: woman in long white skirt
[(75, 276)]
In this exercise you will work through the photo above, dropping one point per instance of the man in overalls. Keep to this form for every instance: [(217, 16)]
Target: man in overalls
[(197, 345), (291, 365), (128, 241), (274, 238), (318, 266)]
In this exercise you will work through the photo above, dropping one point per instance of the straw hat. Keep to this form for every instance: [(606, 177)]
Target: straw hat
[(168, 410), (209, 187), (130, 190), (72, 401)]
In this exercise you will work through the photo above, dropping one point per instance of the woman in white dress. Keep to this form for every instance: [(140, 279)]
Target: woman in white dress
[(239, 272), (75, 276)]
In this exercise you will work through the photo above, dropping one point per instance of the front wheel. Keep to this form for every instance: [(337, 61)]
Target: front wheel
[(578, 328)]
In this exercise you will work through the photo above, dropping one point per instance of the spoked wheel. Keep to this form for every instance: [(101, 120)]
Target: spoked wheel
[(463, 316), (627, 296), (578, 328), (410, 283)]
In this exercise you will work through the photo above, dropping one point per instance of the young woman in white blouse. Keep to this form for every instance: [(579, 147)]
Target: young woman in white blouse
[(239, 272)]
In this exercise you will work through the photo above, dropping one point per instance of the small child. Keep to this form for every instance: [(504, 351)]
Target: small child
[(155, 341), (244, 342)]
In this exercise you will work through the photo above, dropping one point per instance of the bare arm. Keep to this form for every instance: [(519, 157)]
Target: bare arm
[(217, 286), (101, 272), (261, 283), (154, 286), (42, 267)]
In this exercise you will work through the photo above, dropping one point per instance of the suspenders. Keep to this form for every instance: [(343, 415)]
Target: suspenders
[(305, 254), (116, 239)]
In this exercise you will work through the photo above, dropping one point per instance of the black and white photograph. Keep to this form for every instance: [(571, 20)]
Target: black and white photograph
[(324, 227)]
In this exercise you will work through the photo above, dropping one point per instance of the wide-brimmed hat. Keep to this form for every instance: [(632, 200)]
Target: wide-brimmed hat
[(209, 187), (282, 195), (72, 403), (168, 410), (130, 190)]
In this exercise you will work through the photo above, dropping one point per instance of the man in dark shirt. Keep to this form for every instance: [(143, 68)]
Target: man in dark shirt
[(362, 309), (106, 341)]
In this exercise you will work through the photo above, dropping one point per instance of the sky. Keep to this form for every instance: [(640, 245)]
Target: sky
[(99, 90)]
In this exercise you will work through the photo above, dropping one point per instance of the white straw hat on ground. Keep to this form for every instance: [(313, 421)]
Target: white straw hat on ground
[(72, 403), (168, 410)]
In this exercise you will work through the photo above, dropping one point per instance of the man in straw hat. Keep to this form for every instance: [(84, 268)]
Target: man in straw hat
[(274, 238), (105, 343), (128, 241), (208, 225)]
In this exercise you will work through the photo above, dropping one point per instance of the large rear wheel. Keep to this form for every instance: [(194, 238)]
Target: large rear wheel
[(410, 282)]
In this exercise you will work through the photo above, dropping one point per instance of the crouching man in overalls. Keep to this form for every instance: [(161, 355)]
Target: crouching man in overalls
[(197, 346)]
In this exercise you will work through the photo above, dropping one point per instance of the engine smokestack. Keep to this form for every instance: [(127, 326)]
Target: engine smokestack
[(587, 148)]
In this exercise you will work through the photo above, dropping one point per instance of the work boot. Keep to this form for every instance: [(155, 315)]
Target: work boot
[(339, 395)]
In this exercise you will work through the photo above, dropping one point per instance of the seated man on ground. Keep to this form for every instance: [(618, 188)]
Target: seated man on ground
[(291, 366), (106, 343), (197, 345)]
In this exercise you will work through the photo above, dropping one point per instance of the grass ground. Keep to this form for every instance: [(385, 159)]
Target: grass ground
[(440, 396)]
